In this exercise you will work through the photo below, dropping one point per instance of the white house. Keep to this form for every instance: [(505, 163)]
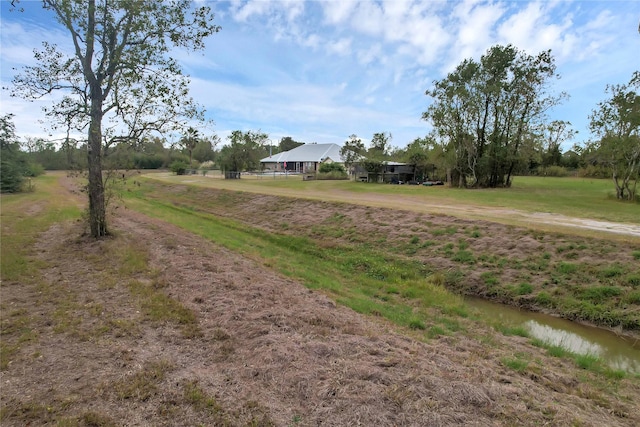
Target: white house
[(306, 158)]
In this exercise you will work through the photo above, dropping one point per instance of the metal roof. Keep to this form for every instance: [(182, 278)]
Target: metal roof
[(308, 153)]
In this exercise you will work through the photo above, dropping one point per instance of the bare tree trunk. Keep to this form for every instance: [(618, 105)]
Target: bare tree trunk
[(97, 211)]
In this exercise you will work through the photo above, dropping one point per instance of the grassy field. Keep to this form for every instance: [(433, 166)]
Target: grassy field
[(118, 316), (577, 278), (574, 197), (24, 216)]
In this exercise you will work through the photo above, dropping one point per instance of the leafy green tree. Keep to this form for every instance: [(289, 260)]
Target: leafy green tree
[(418, 153), (11, 166), (14, 164), (352, 151), (616, 122), (204, 151), (380, 145), (571, 159), (244, 151), (121, 70), (553, 135), (287, 143), (484, 112), (189, 142)]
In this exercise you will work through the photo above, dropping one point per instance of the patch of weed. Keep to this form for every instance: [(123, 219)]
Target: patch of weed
[(586, 361), (510, 330), (95, 419), (463, 244), (144, 383), (428, 243), (633, 297), (557, 351), (524, 289), (452, 278), (544, 299), (435, 331), (158, 306), (612, 271), (417, 324), (599, 293), (633, 280), (195, 396), (447, 249), (566, 268), (517, 364), (489, 278), (464, 257)]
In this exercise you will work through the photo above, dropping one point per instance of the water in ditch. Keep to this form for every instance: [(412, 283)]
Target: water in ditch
[(619, 352)]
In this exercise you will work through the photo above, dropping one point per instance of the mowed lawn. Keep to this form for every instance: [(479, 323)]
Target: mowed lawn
[(585, 198)]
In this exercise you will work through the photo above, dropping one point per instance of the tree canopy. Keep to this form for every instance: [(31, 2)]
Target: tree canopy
[(120, 81), (352, 150), (484, 112), (14, 164), (244, 151), (616, 124)]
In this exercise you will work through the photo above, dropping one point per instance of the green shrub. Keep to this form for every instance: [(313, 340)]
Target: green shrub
[(331, 167), (179, 167), (593, 171), (556, 171), (148, 161), (33, 169), (333, 175), (635, 254), (14, 167), (11, 176)]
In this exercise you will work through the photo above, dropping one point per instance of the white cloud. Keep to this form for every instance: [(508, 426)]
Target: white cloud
[(242, 11), (337, 11), (340, 47), (371, 54), (323, 70), (474, 23)]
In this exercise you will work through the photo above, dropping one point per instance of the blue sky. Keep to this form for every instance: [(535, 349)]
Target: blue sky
[(321, 71)]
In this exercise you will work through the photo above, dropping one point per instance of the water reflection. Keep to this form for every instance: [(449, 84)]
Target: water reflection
[(618, 352), (565, 339)]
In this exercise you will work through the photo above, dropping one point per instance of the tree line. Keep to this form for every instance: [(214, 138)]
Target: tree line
[(124, 90)]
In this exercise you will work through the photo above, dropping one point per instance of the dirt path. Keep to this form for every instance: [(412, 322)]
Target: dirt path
[(268, 352)]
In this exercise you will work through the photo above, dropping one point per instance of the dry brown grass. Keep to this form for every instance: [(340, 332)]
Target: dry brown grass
[(270, 352)]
